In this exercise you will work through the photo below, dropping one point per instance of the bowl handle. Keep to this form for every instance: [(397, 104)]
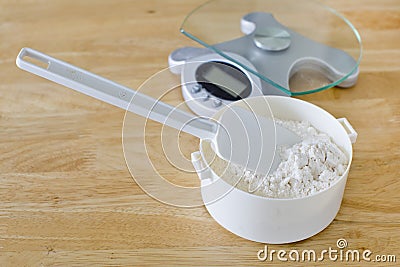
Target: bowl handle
[(204, 173), (349, 129)]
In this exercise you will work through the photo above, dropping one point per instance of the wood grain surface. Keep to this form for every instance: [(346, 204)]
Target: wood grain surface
[(66, 195)]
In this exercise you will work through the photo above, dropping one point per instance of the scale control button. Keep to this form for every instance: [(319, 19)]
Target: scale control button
[(217, 103), (204, 96), (196, 88)]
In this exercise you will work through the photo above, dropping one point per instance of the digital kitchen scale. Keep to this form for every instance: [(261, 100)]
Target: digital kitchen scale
[(264, 47)]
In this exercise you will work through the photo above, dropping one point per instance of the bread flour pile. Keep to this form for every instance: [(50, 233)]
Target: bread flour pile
[(306, 168)]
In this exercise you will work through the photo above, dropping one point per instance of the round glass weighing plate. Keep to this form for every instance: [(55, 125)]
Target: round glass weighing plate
[(219, 21)]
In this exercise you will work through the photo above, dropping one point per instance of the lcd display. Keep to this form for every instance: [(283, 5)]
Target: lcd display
[(228, 83)]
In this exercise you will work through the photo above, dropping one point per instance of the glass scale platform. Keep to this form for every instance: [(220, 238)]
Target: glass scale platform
[(293, 47)]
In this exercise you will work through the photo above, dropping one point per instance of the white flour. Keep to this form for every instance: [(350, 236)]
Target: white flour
[(306, 168)]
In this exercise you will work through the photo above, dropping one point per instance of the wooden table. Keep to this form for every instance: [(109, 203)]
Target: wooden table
[(66, 196)]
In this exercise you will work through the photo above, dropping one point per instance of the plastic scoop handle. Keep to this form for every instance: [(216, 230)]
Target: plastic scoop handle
[(113, 93)]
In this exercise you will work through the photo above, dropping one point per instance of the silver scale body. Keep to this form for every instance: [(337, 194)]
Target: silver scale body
[(268, 47)]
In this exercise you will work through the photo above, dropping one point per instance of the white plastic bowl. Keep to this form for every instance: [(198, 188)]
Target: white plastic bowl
[(278, 221)]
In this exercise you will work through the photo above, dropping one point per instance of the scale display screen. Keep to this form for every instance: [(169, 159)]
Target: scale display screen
[(223, 80), (232, 85)]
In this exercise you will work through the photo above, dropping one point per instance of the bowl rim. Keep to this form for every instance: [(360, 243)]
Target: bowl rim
[(233, 188)]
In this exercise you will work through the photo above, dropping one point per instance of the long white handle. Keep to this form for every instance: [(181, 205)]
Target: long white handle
[(115, 94)]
